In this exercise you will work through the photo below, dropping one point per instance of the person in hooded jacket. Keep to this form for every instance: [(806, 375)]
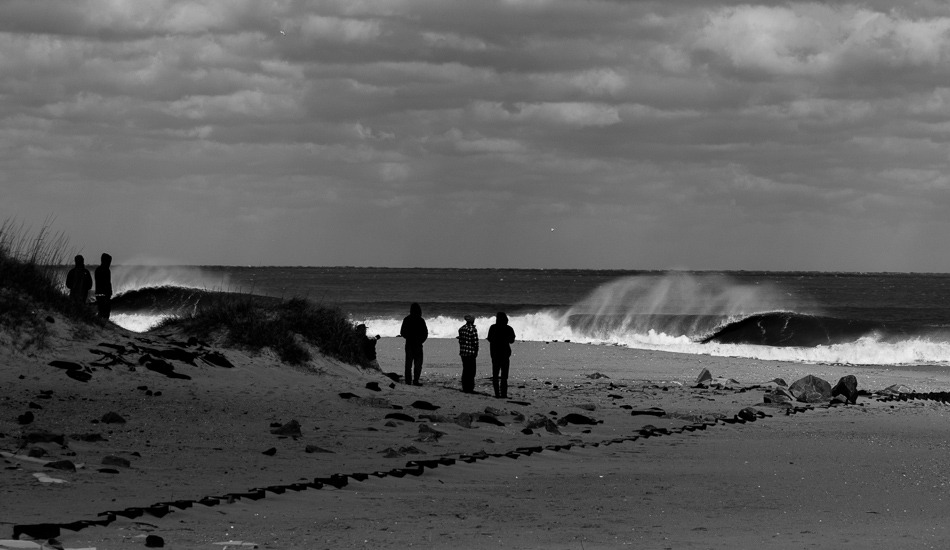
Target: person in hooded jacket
[(104, 287), (468, 350), (500, 338), (78, 281), (415, 331)]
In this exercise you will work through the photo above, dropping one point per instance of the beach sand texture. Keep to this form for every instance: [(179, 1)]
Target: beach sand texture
[(856, 476)]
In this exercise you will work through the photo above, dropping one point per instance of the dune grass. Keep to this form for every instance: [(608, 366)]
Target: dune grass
[(31, 278), (285, 326)]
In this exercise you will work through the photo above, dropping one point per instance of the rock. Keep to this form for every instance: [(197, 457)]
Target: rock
[(896, 389), (315, 449), (348, 395), (89, 438), (112, 418), (464, 420), (596, 375), (748, 414), (391, 424), (586, 406), (373, 386), (26, 418), (112, 460), (400, 416), (848, 387), (839, 399), (437, 418), (217, 359), (154, 541), (389, 452), (33, 405), (44, 437), (37, 452), (64, 465), (290, 429), (270, 452), (392, 376), (493, 411), (541, 421), (574, 418), (424, 405), (811, 389), (704, 377), (428, 434), (487, 419), (652, 411), (776, 397)]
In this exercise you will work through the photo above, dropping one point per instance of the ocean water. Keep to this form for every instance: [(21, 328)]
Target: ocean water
[(844, 318)]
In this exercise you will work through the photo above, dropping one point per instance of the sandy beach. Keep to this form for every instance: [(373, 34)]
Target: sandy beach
[(375, 464)]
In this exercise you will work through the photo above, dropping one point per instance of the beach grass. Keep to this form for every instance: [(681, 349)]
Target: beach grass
[(31, 279), (286, 326)]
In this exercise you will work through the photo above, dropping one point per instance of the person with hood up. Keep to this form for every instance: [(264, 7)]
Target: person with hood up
[(104, 287), (500, 338), (468, 350), (78, 281), (415, 331)]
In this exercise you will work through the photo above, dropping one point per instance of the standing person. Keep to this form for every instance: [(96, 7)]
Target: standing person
[(415, 331), (104, 287), (468, 350), (500, 338), (78, 281)]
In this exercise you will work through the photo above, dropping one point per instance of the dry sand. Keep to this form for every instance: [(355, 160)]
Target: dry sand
[(862, 476)]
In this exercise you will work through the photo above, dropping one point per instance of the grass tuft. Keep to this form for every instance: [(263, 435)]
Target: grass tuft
[(31, 278), (285, 326)]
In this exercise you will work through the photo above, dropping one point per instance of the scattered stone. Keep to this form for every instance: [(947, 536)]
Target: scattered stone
[(464, 420), (424, 405), (373, 386), (400, 416), (392, 376), (704, 377), (112, 460), (44, 437), (748, 414), (574, 418), (290, 429), (26, 418), (37, 452), (315, 449), (89, 438), (586, 406), (389, 452), (112, 418), (487, 419), (541, 421), (811, 389), (428, 434), (839, 399), (848, 387), (65, 465), (154, 541), (896, 389), (391, 424), (652, 411), (33, 405), (108, 471), (348, 395), (493, 411), (527, 431), (270, 452), (78, 375), (596, 375), (217, 359)]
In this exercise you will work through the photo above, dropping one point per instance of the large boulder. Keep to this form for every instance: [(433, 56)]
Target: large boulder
[(848, 387), (811, 389), (895, 389)]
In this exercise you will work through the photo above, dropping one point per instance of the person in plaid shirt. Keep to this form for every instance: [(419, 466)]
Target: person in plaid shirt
[(468, 350)]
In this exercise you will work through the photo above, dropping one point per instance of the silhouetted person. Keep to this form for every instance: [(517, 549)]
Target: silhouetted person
[(500, 338), (369, 347), (104, 287), (78, 281), (468, 350), (415, 331)]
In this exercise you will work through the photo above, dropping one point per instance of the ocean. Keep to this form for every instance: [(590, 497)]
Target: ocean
[(810, 317)]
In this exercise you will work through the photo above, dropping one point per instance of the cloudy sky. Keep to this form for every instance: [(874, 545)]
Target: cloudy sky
[(693, 134)]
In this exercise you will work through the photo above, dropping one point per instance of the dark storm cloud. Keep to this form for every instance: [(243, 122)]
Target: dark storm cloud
[(649, 134)]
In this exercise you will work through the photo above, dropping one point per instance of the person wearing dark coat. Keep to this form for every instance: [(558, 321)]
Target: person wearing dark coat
[(468, 350), (104, 287), (500, 338), (415, 331), (78, 281)]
